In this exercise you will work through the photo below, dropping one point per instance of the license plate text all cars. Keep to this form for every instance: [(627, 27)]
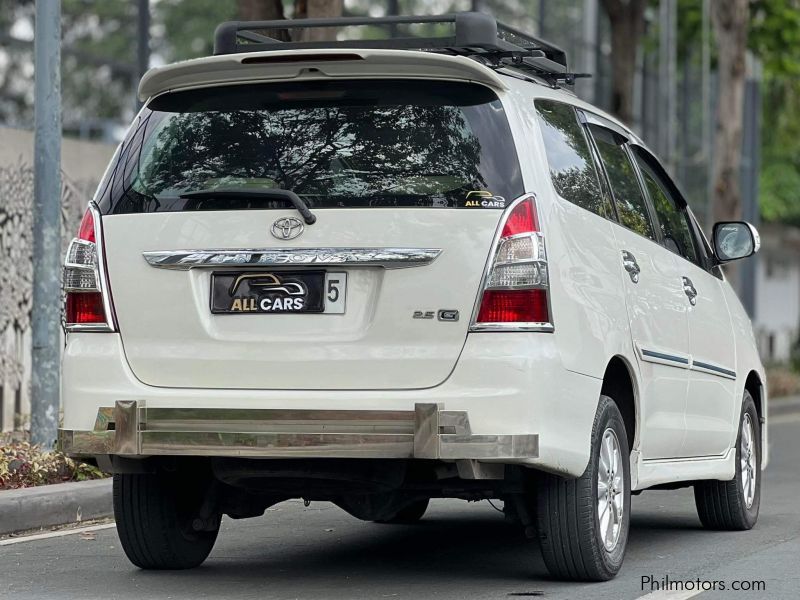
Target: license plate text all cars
[(278, 292)]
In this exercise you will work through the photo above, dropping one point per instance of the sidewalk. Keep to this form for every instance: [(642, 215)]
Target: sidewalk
[(56, 504), (784, 405)]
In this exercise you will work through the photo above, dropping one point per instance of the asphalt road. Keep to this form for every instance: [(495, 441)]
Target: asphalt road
[(458, 551)]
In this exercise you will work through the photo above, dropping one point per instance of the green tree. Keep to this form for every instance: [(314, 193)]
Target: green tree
[(98, 60), (16, 65), (730, 19), (185, 29), (775, 38)]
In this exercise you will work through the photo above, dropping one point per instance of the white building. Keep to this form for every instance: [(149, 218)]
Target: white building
[(777, 318)]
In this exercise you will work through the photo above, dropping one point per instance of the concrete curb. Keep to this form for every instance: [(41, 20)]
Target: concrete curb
[(57, 504), (784, 406)]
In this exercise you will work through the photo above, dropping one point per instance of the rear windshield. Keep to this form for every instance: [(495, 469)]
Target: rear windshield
[(347, 144)]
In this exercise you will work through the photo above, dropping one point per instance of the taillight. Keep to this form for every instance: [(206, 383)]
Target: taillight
[(515, 293), (87, 301)]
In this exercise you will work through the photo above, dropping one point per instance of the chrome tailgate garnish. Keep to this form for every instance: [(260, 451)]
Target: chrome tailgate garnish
[(388, 258)]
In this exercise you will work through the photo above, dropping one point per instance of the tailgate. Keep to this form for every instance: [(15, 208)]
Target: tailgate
[(383, 165), (171, 337)]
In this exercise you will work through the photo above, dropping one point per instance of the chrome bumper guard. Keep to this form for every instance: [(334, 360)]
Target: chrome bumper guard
[(427, 432)]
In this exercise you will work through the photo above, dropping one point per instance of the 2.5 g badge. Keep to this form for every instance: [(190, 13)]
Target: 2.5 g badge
[(442, 314)]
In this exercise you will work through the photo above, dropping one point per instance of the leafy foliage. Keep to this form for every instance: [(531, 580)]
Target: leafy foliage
[(780, 192), (775, 35), (16, 66), (775, 38), (184, 29), (93, 32), (24, 465)]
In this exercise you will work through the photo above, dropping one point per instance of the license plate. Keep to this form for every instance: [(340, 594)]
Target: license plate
[(278, 292)]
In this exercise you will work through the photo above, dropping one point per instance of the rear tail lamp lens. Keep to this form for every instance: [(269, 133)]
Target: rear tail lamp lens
[(515, 293), (514, 306), (521, 219), (86, 228), (85, 308), (86, 300)]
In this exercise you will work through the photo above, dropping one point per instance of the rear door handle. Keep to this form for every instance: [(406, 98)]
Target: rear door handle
[(690, 290), (631, 266)]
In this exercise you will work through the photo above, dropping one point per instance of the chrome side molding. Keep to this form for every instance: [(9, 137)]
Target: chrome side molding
[(685, 362), (387, 258)]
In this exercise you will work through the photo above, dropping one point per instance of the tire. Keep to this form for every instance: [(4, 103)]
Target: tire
[(575, 545), (727, 505), (409, 514), (154, 514)]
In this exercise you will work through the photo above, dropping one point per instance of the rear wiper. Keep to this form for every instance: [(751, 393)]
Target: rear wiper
[(255, 194)]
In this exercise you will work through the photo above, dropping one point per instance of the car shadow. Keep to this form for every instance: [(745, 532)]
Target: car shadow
[(655, 523), (480, 548)]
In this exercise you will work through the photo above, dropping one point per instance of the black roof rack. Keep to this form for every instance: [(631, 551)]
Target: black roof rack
[(474, 34)]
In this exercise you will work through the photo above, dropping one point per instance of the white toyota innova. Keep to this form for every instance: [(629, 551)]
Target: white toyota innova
[(379, 272)]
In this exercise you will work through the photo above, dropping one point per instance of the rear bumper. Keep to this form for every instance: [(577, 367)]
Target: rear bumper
[(427, 432), (508, 384)]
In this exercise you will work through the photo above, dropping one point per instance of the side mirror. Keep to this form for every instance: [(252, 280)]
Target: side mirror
[(735, 240)]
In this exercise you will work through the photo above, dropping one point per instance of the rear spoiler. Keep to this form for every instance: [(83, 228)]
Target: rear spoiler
[(314, 64)]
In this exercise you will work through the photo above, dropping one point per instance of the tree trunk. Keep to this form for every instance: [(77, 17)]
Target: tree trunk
[(730, 21), (627, 26), (260, 10), (318, 9), (263, 10)]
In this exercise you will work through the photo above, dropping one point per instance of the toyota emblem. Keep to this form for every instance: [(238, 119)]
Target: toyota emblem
[(287, 228)]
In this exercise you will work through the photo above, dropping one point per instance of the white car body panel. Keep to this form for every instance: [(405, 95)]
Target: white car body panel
[(376, 344), (514, 382), (659, 329), (649, 473), (747, 362), (710, 414), (584, 280)]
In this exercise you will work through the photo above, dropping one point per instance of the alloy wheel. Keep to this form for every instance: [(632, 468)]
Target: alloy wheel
[(748, 467), (610, 490)]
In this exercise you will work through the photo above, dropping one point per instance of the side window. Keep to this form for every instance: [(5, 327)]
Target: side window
[(569, 158), (631, 205), (675, 228)]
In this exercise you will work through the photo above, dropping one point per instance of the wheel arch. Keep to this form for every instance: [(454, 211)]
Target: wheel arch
[(754, 385), (620, 384)]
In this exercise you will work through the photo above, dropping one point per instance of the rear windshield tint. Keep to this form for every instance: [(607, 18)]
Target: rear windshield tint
[(350, 144)]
